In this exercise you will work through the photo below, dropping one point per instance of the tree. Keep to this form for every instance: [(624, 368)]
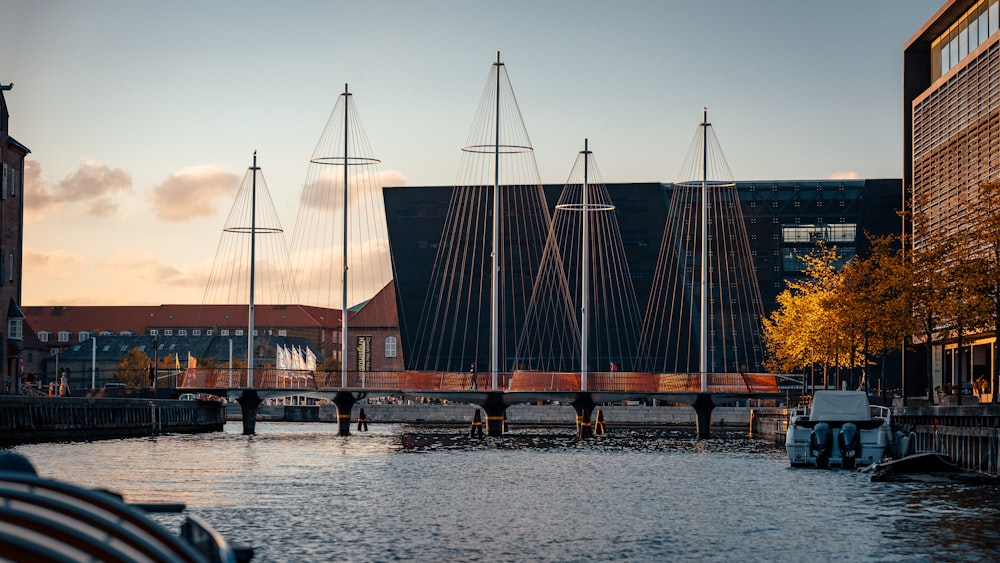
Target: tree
[(133, 369), (965, 288), (986, 242), (876, 301), (805, 329)]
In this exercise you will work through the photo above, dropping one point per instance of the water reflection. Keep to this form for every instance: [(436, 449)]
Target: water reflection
[(299, 492)]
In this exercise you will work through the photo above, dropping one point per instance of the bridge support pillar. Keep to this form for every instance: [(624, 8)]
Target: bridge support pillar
[(344, 401), (584, 406), (703, 407), (496, 412), (249, 401)]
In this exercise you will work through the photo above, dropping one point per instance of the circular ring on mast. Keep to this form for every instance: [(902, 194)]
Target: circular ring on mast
[(262, 230), (707, 183), (587, 207), (351, 160), (503, 149)]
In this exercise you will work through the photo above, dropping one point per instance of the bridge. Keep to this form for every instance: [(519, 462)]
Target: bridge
[(479, 389)]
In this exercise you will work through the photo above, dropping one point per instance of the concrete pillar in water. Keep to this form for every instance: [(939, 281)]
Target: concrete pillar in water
[(703, 407), (344, 400), (249, 401), (476, 431), (584, 406), (362, 421), (496, 409)]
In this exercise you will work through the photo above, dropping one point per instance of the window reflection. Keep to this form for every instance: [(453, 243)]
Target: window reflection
[(969, 32)]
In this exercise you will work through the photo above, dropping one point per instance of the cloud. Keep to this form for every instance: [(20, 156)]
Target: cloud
[(194, 192), (52, 264), (128, 277), (844, 175), (37, 199), (322, 188), (93, 186)]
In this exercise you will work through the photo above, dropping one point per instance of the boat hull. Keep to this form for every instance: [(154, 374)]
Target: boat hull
[(874, 444)]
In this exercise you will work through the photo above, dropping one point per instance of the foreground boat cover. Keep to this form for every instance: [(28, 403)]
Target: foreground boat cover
[(839, 406)]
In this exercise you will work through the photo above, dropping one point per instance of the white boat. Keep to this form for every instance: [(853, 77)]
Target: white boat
[(840, 428)]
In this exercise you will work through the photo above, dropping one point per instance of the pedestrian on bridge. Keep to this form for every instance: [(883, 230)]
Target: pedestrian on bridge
[(472, 376)]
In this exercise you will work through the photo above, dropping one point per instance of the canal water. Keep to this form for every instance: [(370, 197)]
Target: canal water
[(299, 492)]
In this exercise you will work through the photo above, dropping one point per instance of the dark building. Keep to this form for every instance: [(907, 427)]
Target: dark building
[(12, 155), (951, 116), (783, 219)]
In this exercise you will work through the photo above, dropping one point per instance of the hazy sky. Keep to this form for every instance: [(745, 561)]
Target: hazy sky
[(142, 116)]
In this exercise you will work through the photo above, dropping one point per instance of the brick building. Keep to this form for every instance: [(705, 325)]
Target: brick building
[(12, 155)]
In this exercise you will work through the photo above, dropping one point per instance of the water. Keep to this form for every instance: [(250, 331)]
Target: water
[(299, 492)]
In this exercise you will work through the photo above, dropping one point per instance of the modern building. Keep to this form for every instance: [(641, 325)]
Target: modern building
[(783, 219), (12, 155), (951, 116)]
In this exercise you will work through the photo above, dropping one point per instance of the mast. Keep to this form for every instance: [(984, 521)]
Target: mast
[(253, 242), (495, 251), (584, 272), (343, 308), (703, 360)]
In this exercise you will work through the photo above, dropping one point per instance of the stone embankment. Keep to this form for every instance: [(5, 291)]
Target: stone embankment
[(25, 419)]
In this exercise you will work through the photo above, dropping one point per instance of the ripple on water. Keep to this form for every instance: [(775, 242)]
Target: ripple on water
[(299, 492)]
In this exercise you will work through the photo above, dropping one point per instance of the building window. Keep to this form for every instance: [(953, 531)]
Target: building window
[(224, 332), (282, 332), (64, 335), (196, 332), (390, 347), (154, 332), (239, 332), (44, 335), (84, 336), (13, 182), (15, 328), (182, 332), (168, 332), (209, 332)]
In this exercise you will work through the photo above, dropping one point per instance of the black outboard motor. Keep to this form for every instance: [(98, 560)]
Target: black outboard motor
[(821, 444), (849, 441)]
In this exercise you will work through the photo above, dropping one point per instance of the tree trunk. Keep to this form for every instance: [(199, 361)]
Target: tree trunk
[(930, 369), (995, 384)]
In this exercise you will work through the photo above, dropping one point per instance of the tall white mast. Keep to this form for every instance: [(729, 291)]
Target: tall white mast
[(343, 308), (703, 360), (584, 271), (253, 242), (495, 250)]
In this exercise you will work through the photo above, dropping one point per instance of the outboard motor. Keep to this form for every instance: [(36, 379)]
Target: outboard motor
[(849, 441), (821, 444)]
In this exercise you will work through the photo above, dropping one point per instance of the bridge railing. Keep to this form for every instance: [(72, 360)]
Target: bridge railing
[(613, 381)]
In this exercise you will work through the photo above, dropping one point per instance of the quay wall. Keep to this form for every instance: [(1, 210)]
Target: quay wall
[(970, 435), (769, 423), (522, 414), (26, 419)]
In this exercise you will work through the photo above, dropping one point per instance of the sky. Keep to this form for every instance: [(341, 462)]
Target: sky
[(142, 117)]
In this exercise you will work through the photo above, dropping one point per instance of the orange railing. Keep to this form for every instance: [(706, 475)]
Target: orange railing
[(415, 381)]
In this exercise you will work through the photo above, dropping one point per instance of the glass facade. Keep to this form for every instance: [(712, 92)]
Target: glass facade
[(963, 37)]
